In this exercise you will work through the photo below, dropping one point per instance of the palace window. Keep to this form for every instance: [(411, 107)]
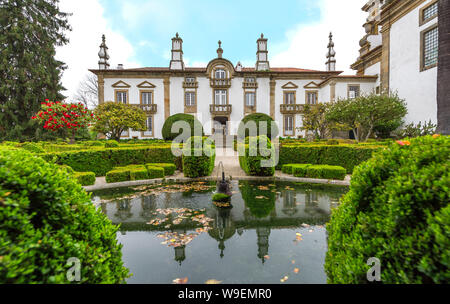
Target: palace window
[(250, 99), (189, 79), (428, 12), (220, 97), (146, 98), (220, 74), (429, 48), (250, 79), (289, 125), (189, 99), (122, 96), (311, 97), (149, 123), (353, 91), (289, 97)]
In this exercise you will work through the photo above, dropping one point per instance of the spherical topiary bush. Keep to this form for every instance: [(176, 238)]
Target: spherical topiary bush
[(196, 128), (243, 131), (46, 218), (397, 210)]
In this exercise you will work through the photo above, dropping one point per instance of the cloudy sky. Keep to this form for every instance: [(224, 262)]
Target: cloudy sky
[(139, 32)]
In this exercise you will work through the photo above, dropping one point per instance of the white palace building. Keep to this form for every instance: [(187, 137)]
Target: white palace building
[(399, 52)]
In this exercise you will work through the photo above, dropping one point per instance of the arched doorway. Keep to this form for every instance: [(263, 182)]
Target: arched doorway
[(220, 130)]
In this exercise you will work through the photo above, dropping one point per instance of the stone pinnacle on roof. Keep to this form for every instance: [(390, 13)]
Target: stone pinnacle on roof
[(220, 50), (103, 55), (331, 62)]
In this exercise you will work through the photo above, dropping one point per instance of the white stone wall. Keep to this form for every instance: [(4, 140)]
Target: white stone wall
[(416, 87)]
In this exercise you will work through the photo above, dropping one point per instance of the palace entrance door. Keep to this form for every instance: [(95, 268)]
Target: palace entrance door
[(220, 131)]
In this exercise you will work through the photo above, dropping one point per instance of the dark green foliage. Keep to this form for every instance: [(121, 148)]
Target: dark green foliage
[(325, 172), (300, 170), (256, 161), (118, 175), (332, 142), (103, 160), (221, 197), (29, 72), (287, 168), (155, 172), (196, 128), (257, 118), (169, 169), (46, 218), (384, 129), (260, 202), (397, 210), (412, 130), (32, 147), (342, 155), (68, 169), (139, 173), (85, 178), (198, 161), (135, 172), (111, 144)]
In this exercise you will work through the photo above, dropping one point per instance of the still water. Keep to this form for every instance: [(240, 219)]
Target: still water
[(273, 233)]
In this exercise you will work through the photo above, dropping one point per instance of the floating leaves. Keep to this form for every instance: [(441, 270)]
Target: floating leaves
[(296, 270), (212, 281), (180, 280), (284, 279)]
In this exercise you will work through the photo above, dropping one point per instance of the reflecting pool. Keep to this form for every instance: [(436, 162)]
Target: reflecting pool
[(273, 233)]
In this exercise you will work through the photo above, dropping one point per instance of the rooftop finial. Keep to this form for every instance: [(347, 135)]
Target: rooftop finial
[(103, 55), (220, 50), (177, 35), (331, 63)]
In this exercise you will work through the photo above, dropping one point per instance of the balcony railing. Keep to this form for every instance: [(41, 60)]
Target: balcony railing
[(250, 85), (220, 83), (147, 108), (190, 85), (291, 108), (220, 109)]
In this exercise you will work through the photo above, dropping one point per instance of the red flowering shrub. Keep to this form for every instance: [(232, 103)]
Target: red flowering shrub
[(70, 116)]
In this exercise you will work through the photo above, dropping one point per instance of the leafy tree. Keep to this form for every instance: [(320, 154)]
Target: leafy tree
[(412, 130), (115, 118), (363, 114), (71, 117), (314, 120), (29, 72)]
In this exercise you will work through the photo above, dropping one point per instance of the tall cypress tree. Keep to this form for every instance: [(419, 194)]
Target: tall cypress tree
[(30, 30)]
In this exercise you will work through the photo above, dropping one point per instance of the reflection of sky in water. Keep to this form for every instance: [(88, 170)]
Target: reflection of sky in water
[(261, 223)]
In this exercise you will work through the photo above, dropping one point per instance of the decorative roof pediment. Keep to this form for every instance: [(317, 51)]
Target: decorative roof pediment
[(311, 85), (290, 85), (223, 63), (121, 84), (146, 85)]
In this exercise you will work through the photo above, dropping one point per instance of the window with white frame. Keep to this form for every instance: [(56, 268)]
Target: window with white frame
[(190, 99), (353, 91), (121, 96), (288, 125), (149, 123), (220, 74), (146, 98), (311, 98), (220, 97), (429, 12), (289, 97), (250, 99), (430, 43)]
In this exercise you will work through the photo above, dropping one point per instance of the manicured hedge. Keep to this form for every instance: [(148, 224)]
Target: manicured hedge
[(326, 172), (118, 175), (139, 173), (347, 156), (101, 161), (155, 172), (287, 168), (136, 172), (301, 170), (397, 210), (85, 178), (258, 118), (198, 157), (252, 156), (169, 169), (46, 218), (196, 127)]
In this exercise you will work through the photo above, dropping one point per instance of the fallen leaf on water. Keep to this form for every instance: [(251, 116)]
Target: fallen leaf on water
[(180, 281), (284, 279), (267, 257), (212, 281), (293, 261), (296, 270)]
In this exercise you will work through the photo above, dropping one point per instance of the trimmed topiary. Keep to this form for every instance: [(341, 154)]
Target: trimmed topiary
[(138, 173), (397, 210), (326, 172), (85, 178), (300, 170), (287, 168), (32, 147), (221, 197), (256, 161), (118, 175), (257, 118), (196, 128), (169, 169), (111, 144), (46, 218), (155, 172)]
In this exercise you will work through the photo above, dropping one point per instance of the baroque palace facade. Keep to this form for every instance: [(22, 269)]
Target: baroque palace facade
[(399, 53)]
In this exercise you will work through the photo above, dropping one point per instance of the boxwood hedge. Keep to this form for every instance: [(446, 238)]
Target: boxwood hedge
[(251, 156), (46, 218), (397, 210), (198, 162), (85, 178)]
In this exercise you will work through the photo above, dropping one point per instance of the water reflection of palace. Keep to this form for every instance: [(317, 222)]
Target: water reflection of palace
[(283, 209)]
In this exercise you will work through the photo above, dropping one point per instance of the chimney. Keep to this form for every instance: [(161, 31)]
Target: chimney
[(120, 66), (262, 58), (176, 63), (331, 62)]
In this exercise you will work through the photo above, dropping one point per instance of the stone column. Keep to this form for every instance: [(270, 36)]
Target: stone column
[(272, 98), (384, 73), (332, 91), (101, 89), (166, 97)]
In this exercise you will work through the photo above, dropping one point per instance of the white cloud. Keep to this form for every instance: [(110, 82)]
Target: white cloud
[(80, 54), (307, 44)]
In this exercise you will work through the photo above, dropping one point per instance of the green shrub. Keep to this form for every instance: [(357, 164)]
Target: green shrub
[(287, 168), (46, 218), (67, 168), (111, 144), (332, 142), (251, 161), (169, 169), (155, 172), (347, 156), (101, 161), (93, 143), (326, 172), (260, 201), (257, 118), (118, 175), (221, 197), (138, 173), (300, 170), (194, 123), (32, 147), (85, 178), (198, 166), (397, 210)]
